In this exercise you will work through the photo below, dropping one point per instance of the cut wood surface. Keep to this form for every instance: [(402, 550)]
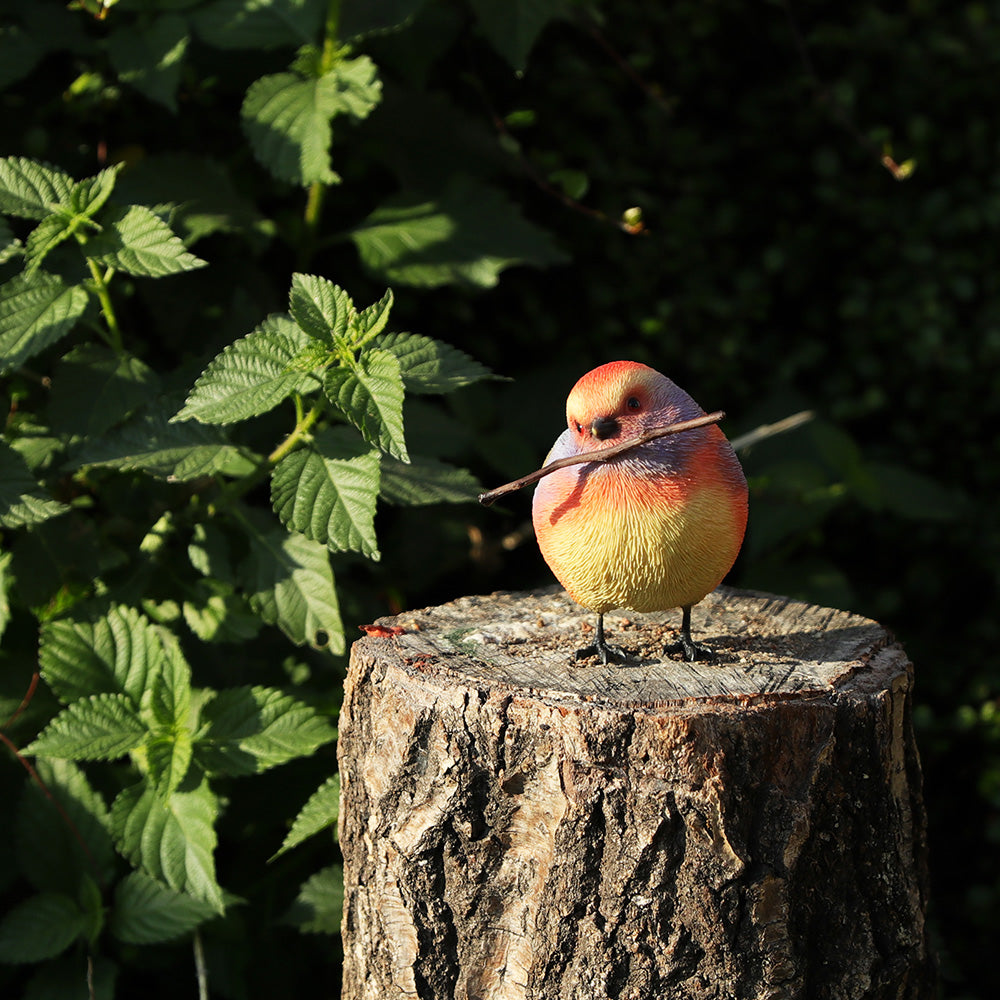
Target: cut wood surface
[(519, 824)]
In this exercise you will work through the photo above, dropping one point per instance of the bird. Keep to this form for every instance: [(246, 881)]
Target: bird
[(654, 528)]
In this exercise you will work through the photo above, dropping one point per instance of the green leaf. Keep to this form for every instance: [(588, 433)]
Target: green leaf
[(370, 395), (136, 240), (100, 727), (46, 236), (170, 701), (41, 927), (286, 117), (425, 481), (146, 912), (327, 492), (431, 366), (149, 56), (319, 906), (88, 196), (251, 376), (468, 236), (512, 26), (260, 24), (319, 813), (94, 388), (52, 854), (371, 321), (251, 729), (9, 245), (216, 613), (32, 190), (173, 450), (202, 194), (290, 584), (322, 309), (36, 311), (119, 653), (22, 500), (166, 757), (172, 839)]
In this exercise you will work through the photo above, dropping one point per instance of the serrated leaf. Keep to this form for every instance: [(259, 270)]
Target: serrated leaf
[(431, 366), (32, 190), (203, 194), (468, 236), (319, 906), (89, 196), (251, 376), (251, 729), (36, 311), (172, 838), (512, 26), (319, 813), (290, 584), (425, 481), (41, 927), (51, 853), (46, 236), (149, 56), (136, 240), (260, 24), (371, 321), (22, 500), (286, 120), (170, 698), (173, 450), (10, 246), (101, 727), (94, 388), (327, 492), (286, 117), (370, 395), (166, 757), (119, 653), (321, 308), (146, 912)]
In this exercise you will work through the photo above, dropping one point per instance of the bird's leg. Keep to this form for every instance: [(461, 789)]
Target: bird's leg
[(607, 653), (686, 645)]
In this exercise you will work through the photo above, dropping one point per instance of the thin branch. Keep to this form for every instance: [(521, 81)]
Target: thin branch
[(900, 171), (600, 455), (770, 430)]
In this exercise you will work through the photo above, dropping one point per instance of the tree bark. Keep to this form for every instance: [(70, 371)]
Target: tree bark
[(518, 824)]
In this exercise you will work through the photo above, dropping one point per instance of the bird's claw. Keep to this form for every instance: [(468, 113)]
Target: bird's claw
[(691, 651), (607, 653)]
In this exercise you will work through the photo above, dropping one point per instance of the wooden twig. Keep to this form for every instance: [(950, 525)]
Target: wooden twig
[(600, 455)]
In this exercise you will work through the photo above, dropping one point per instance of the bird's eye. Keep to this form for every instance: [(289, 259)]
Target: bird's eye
[(578, 426), (633, 403)]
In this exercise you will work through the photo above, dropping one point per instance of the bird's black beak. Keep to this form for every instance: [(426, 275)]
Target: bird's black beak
[(603, 428)]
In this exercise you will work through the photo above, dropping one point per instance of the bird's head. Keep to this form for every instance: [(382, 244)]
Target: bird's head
[(620, 400)]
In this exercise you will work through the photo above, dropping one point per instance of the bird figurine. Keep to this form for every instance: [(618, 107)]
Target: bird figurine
[(654, 528)]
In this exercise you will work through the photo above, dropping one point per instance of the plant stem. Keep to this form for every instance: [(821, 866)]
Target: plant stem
[(302, 427), (114, 337), (317, 190)]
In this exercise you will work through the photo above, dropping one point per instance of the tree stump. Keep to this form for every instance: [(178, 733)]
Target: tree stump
[(518, 824)]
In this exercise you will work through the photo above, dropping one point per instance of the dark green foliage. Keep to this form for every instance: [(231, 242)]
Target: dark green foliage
[(248, 253)]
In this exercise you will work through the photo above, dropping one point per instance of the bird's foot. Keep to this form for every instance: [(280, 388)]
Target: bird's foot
[(692, 651), (606, 652)]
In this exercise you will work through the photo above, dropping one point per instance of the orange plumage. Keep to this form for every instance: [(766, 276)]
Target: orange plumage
[(659, 526)]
